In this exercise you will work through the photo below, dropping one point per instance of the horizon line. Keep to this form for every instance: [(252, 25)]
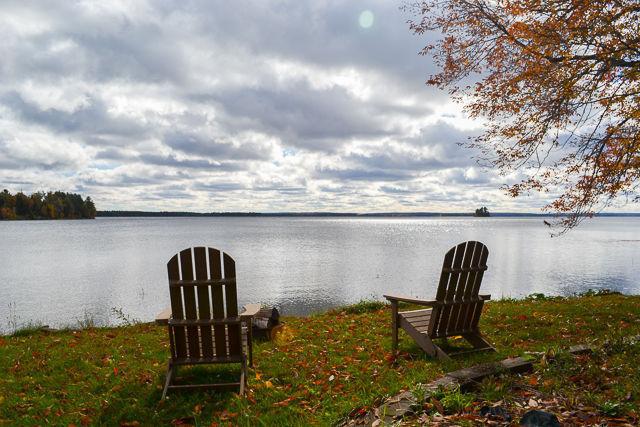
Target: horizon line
[(116, 213)]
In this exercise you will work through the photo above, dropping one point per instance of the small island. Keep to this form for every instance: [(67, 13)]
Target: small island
[(482, 212), (50, 205)]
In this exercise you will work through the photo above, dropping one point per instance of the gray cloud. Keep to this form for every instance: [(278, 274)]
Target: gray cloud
[(325, 33), (218, 186), (111, 153), (396, 190), (390, 160), (196, 144), (172, 161), (176, 105), (361, 174), (91, 119), (304, 117)]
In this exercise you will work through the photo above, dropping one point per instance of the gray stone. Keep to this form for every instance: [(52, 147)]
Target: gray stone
[(476, 373), (445, 382), (517, 365), (399, 406), (495, 412), (473, 373), (538, 418), (580, 349)]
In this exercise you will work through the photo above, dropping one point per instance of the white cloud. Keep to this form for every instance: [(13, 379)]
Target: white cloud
[(248, 106)]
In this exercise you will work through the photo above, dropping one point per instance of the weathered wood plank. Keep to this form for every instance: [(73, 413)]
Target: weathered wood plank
[(423, 340), (462, 284), (451, 289), (176, 334), (422, 329), (189, 296), (442, 289), (235, 339), (394, 326), (476, 373), (466, 312), (196, 283), (416, 313), (422, 318), (204, 308), (477, 309), (217, 301)]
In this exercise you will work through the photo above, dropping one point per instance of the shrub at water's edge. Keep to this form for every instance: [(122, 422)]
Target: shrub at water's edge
[(40, 205)]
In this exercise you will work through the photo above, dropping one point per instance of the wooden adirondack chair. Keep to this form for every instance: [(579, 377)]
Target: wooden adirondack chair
[(457, 307), (203, 321)]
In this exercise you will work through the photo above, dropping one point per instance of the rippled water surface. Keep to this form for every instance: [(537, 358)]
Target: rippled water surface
[(63, 272)]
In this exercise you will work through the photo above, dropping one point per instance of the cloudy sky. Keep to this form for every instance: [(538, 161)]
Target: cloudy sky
[(205, 105)]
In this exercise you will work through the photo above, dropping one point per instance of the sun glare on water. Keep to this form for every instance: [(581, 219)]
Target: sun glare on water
[(366, 19)]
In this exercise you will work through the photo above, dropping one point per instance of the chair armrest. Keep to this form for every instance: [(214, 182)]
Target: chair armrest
[(485, 297), (163, 317), (246, 317), (412, 300), (250, 310)]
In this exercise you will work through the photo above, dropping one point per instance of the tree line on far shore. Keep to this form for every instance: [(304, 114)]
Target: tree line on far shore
[(50, 205)]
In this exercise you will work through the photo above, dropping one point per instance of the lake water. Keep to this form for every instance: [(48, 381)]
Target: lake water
[(62, 272)]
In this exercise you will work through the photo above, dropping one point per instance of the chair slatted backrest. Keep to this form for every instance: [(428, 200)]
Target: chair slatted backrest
[(462, 271), (202, 287)]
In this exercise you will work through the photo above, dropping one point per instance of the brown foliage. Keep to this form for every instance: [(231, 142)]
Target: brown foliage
[(558, 81)]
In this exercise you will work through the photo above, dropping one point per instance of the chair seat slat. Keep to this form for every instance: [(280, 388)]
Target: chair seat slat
[(207, 282), (416, 320), (465, 269), (471, 300), (205, 322), (417, 313), (199, 360)]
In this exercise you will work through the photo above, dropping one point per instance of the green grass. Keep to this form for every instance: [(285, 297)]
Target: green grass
[(318, 370), (599, 388)]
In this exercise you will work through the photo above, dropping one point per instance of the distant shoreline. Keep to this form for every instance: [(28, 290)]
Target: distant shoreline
[(166, 214)]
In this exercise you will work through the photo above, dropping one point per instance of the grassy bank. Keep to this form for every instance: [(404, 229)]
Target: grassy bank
[(316, 371)]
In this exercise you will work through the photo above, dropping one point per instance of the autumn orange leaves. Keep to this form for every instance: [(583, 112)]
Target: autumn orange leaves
[(559, 83)]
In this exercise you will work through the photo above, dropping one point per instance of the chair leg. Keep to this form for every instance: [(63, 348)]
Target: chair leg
[(394, 326), (243, 376), (439, 353), (478, 341), (424, 341), (167, 383), (432, 348), (250, 342)]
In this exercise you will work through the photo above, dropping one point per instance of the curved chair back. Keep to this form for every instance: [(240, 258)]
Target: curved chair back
[(462, 271), (205, 325)]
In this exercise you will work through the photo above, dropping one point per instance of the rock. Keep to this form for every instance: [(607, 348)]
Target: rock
[(495, 412), (517, 365), (445, 383), (538, 418), (396, 409), (577, 350), (474, 373)]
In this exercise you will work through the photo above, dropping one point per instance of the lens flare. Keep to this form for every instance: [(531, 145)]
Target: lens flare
[(366, 19)]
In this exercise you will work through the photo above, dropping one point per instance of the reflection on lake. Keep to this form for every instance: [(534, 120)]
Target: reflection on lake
[(61, 272)]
